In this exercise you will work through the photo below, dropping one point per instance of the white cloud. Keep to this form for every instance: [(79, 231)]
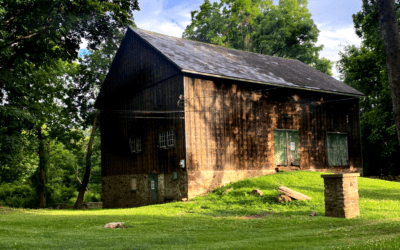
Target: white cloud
[(173, 21), (334, 40), (170, 21)]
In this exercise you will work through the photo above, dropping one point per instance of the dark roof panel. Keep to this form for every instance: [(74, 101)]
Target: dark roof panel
[(204, 58)]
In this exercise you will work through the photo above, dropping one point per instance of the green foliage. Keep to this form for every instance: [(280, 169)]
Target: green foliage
[(283, 30), (17, 195), (365, 69), (39, 40), (92, 197), (63, 195), (209, 223)]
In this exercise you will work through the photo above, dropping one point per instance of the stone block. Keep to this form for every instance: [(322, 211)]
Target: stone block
[(341, 195)]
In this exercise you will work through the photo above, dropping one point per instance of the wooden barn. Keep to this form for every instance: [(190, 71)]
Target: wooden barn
[(180, 118)]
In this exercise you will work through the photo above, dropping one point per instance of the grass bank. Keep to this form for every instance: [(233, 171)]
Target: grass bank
[(235, 220)]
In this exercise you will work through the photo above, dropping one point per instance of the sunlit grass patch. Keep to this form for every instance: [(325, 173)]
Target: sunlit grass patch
[(231, 220)]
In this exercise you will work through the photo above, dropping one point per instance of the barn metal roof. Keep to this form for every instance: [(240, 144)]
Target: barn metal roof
[(207, 59)]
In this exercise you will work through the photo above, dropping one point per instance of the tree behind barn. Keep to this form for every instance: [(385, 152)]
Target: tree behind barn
[(391, 42), (283, 30), (92, 73), (365, 69)]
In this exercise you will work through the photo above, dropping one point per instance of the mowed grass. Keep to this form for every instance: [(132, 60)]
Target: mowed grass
[(235, 220)]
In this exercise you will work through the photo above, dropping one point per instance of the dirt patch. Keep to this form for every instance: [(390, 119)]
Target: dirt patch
[(254, 216)]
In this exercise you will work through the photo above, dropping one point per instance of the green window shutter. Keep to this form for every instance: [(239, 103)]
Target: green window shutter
[(280, 147), (337, 150), (343, 154)]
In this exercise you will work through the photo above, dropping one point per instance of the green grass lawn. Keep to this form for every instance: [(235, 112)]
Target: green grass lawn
[(219, 221)]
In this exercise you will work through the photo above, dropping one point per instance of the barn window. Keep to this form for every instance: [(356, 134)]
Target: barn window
[(337, 149), (138, 144), (163, 139), (135, 144), (166, 139), (171, 138)]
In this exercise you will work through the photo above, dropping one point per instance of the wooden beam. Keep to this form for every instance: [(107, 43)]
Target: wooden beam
[(292, 194)]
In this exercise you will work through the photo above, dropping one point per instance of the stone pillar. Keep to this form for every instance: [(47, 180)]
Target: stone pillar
[(341, 195), (161, 188)]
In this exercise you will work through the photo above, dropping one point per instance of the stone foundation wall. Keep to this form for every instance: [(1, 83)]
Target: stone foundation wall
[(341, 195), (117, 191), (386, 178), (86, 205), (201, 182)]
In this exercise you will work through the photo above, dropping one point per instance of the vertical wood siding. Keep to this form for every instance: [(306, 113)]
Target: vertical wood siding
[(145, 81), (230, 125)]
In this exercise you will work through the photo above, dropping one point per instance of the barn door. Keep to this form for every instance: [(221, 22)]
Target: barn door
[(286, 147), (153, 187), (280, 147), (337, 150), (293, 147)]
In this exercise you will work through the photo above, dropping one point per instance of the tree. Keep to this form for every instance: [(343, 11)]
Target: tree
[(92, 72), (284, 30), (33, 34), (49, 87), (391, 41), (365, 69)]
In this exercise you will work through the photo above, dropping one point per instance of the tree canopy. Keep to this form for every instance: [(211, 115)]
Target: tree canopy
[(283, 30), (34, 35), (365, 69), (44, 95)]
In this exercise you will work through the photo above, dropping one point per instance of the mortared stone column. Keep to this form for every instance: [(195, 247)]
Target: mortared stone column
[(341, 195)]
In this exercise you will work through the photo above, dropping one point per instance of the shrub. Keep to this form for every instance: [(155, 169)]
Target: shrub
[(12, 195), (91, 197)]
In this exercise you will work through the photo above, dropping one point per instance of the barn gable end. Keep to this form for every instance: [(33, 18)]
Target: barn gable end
[(140, 79)]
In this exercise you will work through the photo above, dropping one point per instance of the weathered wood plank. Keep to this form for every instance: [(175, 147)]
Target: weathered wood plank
[(292, 193)]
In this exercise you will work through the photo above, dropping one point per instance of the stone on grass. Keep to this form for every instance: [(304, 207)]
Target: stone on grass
[(184, 199), (257, 192), (114, 225), (313, 214), (282, 198)]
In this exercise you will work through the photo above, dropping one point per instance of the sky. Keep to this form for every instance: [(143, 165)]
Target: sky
[(333, 19)]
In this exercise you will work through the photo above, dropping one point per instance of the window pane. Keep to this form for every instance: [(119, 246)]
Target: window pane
[(138, 144), (163, 139), (132, 144), (171, 138)]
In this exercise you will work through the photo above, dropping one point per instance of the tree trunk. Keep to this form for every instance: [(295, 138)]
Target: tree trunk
[(85, 180), (42, 165), (391, 43)]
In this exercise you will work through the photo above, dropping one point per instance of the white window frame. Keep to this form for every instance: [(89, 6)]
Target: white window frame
[(135, 144), (166, 139), (171, 138), (162, 139)]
